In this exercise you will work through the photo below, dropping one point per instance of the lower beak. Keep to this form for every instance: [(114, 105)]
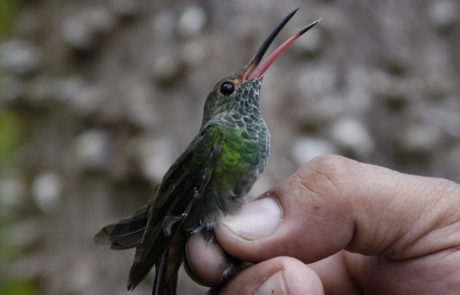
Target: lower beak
[(251, 70)]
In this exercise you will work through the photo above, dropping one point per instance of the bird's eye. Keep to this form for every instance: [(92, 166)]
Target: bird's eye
[(227, 88)]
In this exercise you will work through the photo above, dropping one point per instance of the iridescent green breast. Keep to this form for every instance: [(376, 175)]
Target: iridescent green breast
[(242, 160), (240, 163)]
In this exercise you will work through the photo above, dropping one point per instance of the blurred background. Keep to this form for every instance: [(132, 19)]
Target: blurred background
[(97, 99)]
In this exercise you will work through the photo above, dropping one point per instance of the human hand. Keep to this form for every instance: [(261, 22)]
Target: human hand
[(338, 226)]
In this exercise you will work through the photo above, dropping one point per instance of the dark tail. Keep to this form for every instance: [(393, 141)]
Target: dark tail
[(167, 269), (162, 252), (125, 234)]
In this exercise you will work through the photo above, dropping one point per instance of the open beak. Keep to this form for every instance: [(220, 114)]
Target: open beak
[(251, 70)]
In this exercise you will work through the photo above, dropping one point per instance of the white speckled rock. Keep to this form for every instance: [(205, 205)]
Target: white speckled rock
[(443, 13), (155, 157), (350, 133), (46, 189), (419, 138), (192, 20), (306, 148), (91, 149), (19, 57)]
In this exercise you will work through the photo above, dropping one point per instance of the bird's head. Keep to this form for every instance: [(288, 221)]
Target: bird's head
[(244, 85)]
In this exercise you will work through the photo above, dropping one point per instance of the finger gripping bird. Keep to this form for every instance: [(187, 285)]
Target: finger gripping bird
[(209, 180)]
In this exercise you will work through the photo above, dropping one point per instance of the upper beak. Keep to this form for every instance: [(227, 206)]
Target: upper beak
[(250, 71)]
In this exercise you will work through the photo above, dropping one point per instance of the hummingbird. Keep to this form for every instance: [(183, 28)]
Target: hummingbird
[(210, 179)]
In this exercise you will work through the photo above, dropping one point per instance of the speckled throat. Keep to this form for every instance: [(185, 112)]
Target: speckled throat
[(245, 112)]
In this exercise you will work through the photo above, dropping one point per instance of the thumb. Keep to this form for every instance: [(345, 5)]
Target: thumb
[(334, 203)]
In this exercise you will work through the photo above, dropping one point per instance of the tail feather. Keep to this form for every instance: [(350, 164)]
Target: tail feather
[(159, 236), (146, 257), (126, 233), (167, 270)]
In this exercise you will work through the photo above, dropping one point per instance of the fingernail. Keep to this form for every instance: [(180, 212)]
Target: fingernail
[(255, 220), (273, 285)]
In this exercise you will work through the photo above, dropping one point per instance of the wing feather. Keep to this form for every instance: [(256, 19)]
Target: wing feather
[(183, 185), (126, 233)]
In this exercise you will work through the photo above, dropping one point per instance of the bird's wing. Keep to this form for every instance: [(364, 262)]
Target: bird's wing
[(184, 184), (126, 233)]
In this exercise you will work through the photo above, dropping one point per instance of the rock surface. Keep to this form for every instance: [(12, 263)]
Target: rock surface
[(97, 99)]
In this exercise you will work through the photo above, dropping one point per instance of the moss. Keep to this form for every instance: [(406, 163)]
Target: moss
[(10, 134), (9, 10), (18, 287)]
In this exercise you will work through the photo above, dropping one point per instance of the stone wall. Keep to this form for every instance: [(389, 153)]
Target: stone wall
[(97, 98)]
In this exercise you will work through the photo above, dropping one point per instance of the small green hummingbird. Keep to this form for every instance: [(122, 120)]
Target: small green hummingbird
[(209, 180)]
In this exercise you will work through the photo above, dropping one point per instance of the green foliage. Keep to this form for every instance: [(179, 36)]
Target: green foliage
[(18, 287), (7, 250), (10, 134), (8, 12), (10, 137)]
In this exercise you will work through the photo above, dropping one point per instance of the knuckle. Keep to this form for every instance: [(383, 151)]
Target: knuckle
[(328, 162), (323, 174)]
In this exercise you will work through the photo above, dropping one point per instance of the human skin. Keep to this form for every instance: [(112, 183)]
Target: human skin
[(338, 226)]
